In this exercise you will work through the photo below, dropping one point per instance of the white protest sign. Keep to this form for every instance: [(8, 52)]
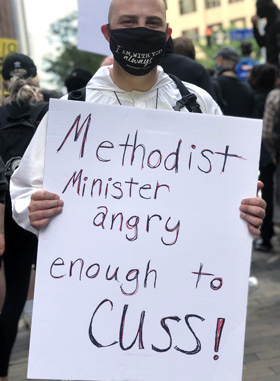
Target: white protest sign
[(144, 276), (92, 15)]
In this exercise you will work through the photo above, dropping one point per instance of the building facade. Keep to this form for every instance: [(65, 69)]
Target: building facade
[(193, 17)]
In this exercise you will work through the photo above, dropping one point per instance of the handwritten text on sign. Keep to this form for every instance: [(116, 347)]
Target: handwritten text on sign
[(147, 267)]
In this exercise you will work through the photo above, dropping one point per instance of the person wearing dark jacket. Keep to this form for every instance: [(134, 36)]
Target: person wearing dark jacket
[(3, 189), (22, 107), (271, 38), (236, 96), (263, 80), (185, 68)]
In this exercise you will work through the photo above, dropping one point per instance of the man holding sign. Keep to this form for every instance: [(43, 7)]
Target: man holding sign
[(134, 79), (134, 246)]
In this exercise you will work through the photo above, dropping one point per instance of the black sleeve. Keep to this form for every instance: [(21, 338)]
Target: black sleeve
[(204, 81), (258, 37), (3, 182)]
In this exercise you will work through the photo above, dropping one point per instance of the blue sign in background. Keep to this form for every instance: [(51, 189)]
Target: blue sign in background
[(241, 34)]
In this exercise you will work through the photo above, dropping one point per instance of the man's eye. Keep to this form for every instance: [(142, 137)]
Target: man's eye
[(128, 22), (154, 23)]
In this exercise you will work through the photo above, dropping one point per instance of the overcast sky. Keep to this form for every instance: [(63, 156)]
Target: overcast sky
[(40, 14)]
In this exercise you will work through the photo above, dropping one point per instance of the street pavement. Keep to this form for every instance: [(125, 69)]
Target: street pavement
[(262, 342)]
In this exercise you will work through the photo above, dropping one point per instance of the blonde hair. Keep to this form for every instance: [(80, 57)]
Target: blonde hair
[(22, 89)]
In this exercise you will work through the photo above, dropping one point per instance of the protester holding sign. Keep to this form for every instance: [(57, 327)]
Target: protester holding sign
[(137, 33), (129, 250)]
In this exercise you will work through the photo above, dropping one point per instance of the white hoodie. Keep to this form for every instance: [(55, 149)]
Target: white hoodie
[(28, 178)]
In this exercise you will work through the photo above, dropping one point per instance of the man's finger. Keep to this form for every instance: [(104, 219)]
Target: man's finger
[(253, 230), (44, 204), (252, 219), (255, 201), (252, 210), (260, 186), (44, 195), (43, 214), (40, 224)]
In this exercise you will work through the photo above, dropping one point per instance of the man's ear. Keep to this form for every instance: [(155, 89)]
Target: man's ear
[(220, 61), (106, 32), (168, 33)]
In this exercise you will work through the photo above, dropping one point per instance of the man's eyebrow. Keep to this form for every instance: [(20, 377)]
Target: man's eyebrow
[(128, 16), (149, 18), (154, 18)]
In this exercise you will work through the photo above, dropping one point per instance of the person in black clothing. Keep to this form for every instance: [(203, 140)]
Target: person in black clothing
[(20, 80), (263, 80), (186, 69), (3, 188), (271, 39), (235, 97), (77, 79)]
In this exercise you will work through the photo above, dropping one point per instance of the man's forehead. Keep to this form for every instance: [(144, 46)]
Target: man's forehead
[(154, 7)]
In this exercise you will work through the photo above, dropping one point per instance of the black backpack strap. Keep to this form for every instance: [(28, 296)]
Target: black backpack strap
[(77, 95), (188, 99)]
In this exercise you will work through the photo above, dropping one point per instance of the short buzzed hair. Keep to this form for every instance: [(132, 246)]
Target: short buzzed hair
[(112, 6)]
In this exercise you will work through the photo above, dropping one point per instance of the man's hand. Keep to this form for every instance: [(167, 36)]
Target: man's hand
[(253, 211), (42, 207), (254, 21)]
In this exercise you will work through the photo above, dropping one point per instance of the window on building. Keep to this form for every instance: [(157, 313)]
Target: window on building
[(234, 1), (191, 33), (216, 27), (187, 6), (212, 3), (238, 23)]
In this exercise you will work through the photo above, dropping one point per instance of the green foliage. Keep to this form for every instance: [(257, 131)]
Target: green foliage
[(63, 39), (64, 31), (205, 54)]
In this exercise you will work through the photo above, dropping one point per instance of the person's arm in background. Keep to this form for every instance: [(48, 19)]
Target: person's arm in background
[(259, 38), (277, 33), (28, 178), (271, 118)]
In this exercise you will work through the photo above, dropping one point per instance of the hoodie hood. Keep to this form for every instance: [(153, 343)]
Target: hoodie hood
[(266, 9), (102, 81)]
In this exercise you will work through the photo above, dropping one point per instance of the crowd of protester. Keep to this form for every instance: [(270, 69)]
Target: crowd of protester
[(241, 86)]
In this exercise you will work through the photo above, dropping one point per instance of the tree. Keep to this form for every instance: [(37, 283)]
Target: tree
[(66, 57)]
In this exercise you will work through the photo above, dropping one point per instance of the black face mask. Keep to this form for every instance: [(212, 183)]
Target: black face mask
[(137, 50)]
